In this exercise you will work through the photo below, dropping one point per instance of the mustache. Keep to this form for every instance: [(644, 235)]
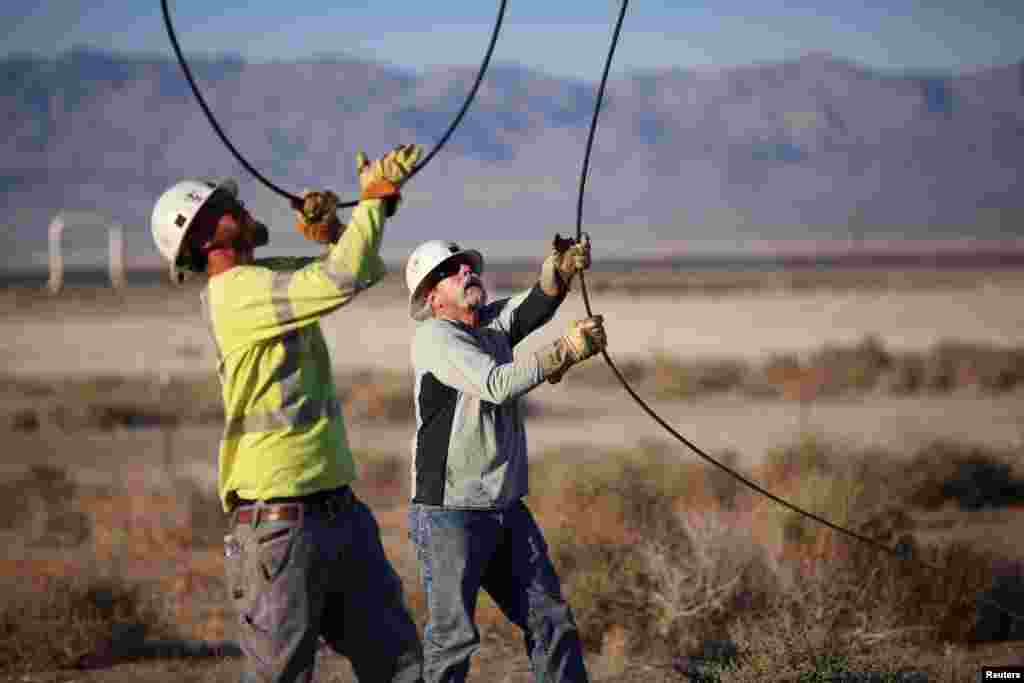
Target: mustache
[(472, 280)]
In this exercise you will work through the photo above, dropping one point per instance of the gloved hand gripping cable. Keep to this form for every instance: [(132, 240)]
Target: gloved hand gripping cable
[(317, 212), (567, 257), (586, 338), (317, 216)]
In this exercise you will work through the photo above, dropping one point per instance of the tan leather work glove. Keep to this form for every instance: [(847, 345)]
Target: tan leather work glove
[(317, 217), (567, 258), (383, 178), (586, 338)]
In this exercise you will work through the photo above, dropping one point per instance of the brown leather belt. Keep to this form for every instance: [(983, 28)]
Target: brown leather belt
[(330, 503), (286, 512)]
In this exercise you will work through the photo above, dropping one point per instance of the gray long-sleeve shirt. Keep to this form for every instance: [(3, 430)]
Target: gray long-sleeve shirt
[(470, 445)]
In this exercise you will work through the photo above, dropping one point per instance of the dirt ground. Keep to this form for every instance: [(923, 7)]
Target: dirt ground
[(499, 661), (159, 332)]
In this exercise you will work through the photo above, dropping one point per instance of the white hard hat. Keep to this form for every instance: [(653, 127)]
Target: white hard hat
[(174, 212), (423, 260)]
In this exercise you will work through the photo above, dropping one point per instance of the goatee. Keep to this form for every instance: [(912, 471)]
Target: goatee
[(260, 234)]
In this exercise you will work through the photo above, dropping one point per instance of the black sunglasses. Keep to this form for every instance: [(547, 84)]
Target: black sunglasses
[(221, 203), (453, 267)]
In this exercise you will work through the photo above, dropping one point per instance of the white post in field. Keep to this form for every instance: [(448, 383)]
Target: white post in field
[(116, 249), (56, 256), (117, 272)]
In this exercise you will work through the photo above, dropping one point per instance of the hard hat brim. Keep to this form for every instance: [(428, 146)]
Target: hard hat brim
[(228, 185)]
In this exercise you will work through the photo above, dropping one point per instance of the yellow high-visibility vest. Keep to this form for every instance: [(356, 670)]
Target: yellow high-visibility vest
[(284, 434)]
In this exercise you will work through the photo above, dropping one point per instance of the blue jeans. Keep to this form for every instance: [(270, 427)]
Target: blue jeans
[(503, 552), (323, 575)]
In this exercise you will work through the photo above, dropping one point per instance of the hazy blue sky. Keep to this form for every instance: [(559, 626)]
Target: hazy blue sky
[(563, 37)]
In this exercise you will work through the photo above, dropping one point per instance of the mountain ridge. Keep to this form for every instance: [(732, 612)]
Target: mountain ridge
[(816, 147)]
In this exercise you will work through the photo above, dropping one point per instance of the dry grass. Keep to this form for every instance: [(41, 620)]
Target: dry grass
[(971, 476), (830, 371), (377, 395), (116, 402), (658, 559), (663, 278), (112, 402), (656, 566), (61, 620), (113, 582)]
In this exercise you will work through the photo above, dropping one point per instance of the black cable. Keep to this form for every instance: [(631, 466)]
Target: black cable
[(287, 195), (209, 114), (472, 92), (643, 404)]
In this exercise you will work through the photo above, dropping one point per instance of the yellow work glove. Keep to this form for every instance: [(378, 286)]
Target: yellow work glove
[(317, 217), (383, 178), (567, 258), (586, 338)]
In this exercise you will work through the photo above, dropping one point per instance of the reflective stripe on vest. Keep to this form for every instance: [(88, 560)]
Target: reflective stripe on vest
[(297, 408), (296, 415)]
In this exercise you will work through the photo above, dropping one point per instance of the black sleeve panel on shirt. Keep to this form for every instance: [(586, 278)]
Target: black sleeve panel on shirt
[(536, 309), (437, 408)]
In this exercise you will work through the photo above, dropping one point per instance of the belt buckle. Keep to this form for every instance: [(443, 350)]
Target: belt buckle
[(254, 515)]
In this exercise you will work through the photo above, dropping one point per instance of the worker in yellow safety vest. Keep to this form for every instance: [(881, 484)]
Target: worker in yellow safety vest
[(304, 559)]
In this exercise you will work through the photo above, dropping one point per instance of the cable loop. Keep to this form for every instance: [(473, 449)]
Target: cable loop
[(294, 199)]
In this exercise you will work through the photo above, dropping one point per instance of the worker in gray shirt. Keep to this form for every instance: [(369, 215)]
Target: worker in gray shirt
[(467, 519)]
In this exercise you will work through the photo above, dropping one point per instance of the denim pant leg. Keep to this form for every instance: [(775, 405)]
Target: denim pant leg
[(366, 618), (453, 548), (523, 582)]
